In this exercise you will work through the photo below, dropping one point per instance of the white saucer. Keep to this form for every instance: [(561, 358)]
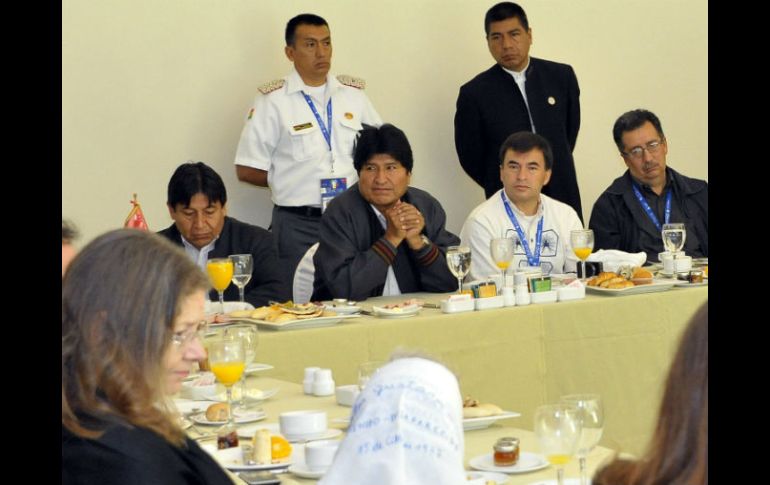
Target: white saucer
[(301, 470), (249, 431), (528, 462), (497, 478), (567, 481)]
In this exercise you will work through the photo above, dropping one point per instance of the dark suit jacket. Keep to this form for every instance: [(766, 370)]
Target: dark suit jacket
[(490, 107), (619, 222), (134, 456), (240, 238)]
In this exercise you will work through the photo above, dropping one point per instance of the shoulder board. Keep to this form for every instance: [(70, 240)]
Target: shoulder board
[(353, 82), (271, 86)]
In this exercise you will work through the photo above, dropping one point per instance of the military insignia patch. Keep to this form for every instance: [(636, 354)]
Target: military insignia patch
[(303, 126), (348, 116), (251, 113), (271, 86), (353, 82)]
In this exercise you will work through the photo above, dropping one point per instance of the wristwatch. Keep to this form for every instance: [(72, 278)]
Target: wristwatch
[(425, 241)]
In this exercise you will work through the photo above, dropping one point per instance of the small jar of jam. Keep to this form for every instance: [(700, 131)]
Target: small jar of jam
[(506, 451), (695, 276)]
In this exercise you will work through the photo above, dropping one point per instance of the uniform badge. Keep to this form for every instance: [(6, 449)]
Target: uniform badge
[(303, 126), (352, 81), (251, 113), (551, 100), (349, 116)]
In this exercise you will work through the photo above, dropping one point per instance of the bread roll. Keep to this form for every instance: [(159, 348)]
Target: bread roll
[(601, 277), (217, 412), (260, 313), (612, 281), (482, 410), (641, 273), (621, 284)]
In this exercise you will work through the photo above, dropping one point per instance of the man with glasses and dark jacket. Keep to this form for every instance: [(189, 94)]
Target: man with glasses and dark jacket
[(629, 215)]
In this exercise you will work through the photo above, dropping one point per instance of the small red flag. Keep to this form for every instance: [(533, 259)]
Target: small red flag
[(135, 218)]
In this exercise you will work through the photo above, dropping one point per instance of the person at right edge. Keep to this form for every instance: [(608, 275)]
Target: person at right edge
[(630, 214), (519, 93)]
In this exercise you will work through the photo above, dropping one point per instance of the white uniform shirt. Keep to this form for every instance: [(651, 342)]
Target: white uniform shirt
[(490, 220), (282, 136)]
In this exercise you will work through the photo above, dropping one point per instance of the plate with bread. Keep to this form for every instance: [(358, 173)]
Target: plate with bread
[(265, 451), (216, 414), (478, 415), (630, 282), (290, 316)]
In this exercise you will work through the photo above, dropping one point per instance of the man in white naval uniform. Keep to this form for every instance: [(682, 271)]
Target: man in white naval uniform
[(539, 224), (298, 138)]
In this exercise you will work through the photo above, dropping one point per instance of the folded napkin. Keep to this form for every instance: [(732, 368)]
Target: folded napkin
[(612, 259)]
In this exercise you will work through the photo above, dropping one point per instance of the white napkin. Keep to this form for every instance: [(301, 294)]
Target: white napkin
[(405, 429), (611, 259)]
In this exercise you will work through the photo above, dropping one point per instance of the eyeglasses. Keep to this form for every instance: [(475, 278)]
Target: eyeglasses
[(181, 339), (651, 147)]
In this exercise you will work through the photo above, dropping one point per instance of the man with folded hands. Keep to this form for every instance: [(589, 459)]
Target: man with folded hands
[(196, 202), (381, 236), (539, 224)]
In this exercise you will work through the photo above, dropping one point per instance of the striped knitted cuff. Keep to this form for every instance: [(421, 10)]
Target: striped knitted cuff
[(426, 256), (385, 250)]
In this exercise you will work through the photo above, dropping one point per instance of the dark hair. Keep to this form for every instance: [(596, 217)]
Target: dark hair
[(524, 141), (68, 232), (632, 120), (301, 19), (120, 297), (504, 11), (385, 140), (678, 451), (195, 178)]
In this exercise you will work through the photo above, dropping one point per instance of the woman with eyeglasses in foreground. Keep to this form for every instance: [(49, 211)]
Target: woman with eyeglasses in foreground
[(131, 307)]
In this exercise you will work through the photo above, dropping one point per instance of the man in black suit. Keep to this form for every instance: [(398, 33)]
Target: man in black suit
[(519, 93), (196, 202)]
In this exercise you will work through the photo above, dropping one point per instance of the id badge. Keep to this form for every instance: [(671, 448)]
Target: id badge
[(331, 188)]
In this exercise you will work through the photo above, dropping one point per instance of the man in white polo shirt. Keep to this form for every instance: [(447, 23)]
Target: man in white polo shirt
[(540, 225), (298, 138)]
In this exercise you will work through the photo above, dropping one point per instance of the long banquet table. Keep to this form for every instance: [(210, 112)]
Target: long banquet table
[(477, 442), (519, 357)]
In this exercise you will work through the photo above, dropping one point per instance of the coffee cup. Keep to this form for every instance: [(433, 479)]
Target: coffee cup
[(297, 425), (320, 454)]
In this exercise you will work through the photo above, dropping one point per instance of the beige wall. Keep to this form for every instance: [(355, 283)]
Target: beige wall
[(147, 85)]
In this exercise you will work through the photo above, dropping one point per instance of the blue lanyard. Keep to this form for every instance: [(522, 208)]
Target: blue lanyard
[(532, 260), (327, 132), (648, 209)]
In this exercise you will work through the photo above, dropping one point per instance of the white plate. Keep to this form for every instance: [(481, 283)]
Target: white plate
[(211, 307), (257, 367), (185, 406), (407, 311), (302, 471), (567, 481), (687, 284), (497, 478), (656, 285), (528, 462), (300, 323), (252, 394), (484, 422), (239, 466), (342, 309), (249, 417), (248, 432)]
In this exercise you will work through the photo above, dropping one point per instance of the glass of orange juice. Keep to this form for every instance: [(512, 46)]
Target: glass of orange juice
[(582, 245), (220, 272), (227, 359)]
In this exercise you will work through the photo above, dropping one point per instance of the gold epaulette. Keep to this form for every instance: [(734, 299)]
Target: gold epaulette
[(271, 86), (352, 81)]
